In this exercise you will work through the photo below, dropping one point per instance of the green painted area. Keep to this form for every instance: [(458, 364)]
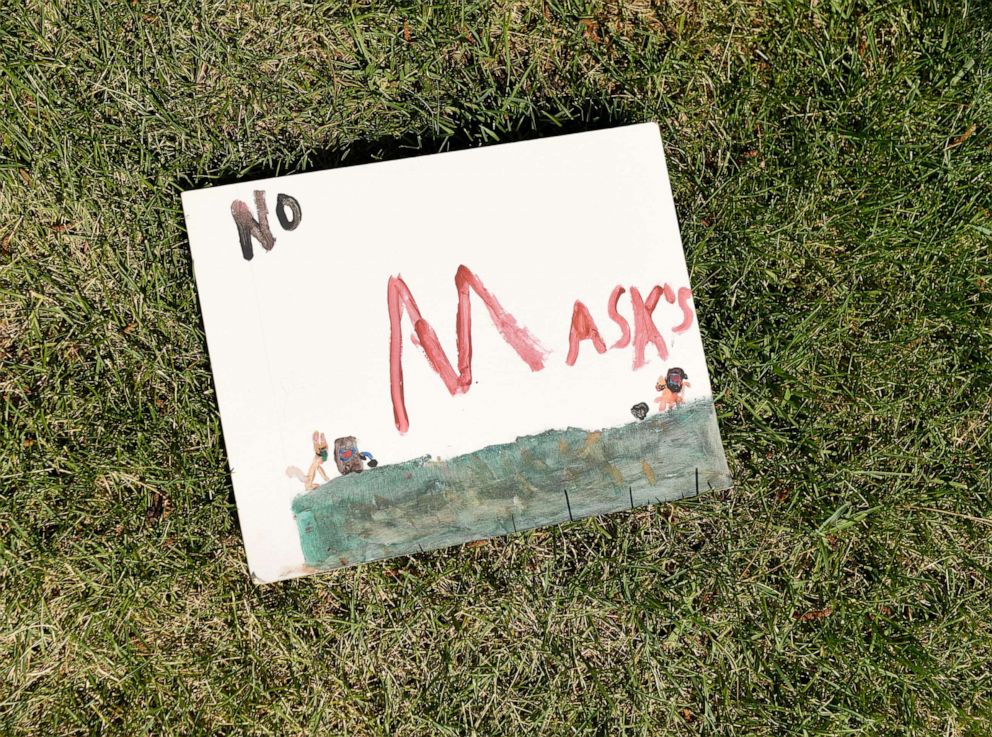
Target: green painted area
[(534, 481)]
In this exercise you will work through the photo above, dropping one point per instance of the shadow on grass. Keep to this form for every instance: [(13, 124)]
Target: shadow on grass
[(588, 117)]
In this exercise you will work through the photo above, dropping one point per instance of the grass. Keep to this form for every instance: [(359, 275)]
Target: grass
[(832, 169)]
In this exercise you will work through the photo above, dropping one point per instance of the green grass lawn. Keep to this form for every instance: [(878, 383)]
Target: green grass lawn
[(832, 169)]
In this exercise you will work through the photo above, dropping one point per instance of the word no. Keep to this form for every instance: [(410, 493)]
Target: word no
[(258, 227)]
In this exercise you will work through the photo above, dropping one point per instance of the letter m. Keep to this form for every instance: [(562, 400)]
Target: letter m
[(400, 299)]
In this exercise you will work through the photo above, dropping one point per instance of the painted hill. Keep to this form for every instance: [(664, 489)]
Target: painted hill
[(534, 481)]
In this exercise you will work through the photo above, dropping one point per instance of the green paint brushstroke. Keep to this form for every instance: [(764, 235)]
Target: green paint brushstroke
[(534, 481)]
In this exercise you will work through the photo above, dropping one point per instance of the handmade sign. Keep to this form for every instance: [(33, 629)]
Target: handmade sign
[(419, 353)]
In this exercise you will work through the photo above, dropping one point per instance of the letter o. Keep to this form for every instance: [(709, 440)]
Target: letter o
[(281, 202)]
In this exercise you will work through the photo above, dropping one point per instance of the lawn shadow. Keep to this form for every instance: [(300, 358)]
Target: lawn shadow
[(418, 143)]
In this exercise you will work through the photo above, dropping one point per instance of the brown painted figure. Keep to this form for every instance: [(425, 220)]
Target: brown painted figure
[(672, 387), (348, 458), (319, 458)]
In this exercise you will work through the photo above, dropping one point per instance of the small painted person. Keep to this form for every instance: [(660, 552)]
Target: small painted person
[(349, 459), (320, 452), (672, 387)]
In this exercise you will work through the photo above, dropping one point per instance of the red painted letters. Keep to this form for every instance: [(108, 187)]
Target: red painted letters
[(400, 298), (583, 328), (611, 307), (645, 330), (685, 294)]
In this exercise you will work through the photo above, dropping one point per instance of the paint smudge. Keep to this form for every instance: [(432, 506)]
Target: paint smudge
[(648, 473)]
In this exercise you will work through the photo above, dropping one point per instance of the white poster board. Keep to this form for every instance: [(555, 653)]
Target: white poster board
[(308, 335)]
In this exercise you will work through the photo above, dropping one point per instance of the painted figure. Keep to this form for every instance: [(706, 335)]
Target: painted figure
[(672, 387), (320, 457), (348, 458)]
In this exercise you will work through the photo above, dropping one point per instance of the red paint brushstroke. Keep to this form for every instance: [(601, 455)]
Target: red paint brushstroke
[(400, 298), (654, 296), (645, 331), (618, 318), (685, 294), (583, 328)]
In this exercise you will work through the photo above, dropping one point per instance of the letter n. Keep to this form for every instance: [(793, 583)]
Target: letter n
[(249, 227)]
